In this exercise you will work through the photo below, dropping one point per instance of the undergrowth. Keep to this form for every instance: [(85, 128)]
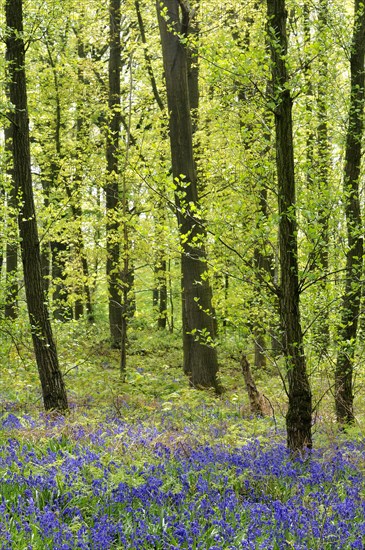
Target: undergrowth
[(150, 463)]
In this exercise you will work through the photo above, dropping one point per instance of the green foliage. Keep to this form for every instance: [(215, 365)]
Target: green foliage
[(67, 56)]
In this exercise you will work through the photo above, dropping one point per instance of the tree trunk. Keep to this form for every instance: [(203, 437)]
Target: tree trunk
[(317, 170), (298, 418), (59, 248), (321, 327), (12, 241), (162, 284), (347, 330), (46, 265), (112, 187), (147, 57), (53, 389), (261, 261), (84, 287), (59, 253), (160, 268), (160, 290), (75, 196), (257, 400), (200, 357)]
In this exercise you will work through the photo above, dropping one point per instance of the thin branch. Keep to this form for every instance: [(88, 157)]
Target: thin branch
[(147, 57), (302, 288)]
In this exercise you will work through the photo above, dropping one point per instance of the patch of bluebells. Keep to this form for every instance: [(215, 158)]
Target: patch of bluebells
[(76, 493)]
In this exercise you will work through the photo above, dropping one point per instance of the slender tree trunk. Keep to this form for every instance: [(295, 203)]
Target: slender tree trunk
[(298, 418), (53, 389), (75, 201), (309, 96), (162, 283), (317, 170), (262, 262), (200, 357), (263, 267), (160, 290), (347, 330), (112, 187), (160, 268), (60, 253), (46, 265), (320, 186), (45, 245), (171, 321), (12, 242), (321, 328), (147, 57), (127, 274), (2, 198), (59, 248)]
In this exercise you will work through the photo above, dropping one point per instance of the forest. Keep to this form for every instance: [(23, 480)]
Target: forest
[(181, 274)]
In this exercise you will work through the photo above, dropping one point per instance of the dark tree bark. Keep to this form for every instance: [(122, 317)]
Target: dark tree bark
[(53, 389), (113, 203), (200, 357), (347, 330), (298, 418)]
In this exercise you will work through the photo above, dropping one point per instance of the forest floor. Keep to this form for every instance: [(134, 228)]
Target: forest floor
[(151, 464)]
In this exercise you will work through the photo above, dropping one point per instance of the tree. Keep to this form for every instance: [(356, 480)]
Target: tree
[(323, 178), (159, 292), (350, 307), (53, 388), (116, 320), (317, 193), (200, 356), (75, 195), (298, 418), (59, 245), (263, 262), (12, 241)]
